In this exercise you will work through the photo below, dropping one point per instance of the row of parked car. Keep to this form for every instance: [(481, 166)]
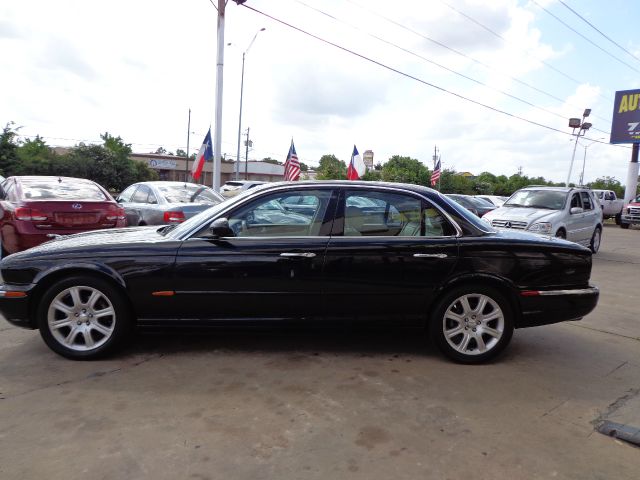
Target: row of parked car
[(36, 209)]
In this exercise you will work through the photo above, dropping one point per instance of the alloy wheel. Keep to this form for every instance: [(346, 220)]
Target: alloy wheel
[(81, 318), (473, 324)]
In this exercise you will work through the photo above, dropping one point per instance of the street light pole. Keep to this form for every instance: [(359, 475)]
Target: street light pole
[(241, 94), (584, 159), (217, 139), (582, 127)]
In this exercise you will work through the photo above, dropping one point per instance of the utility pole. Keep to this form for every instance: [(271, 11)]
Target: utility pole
[(186, 162), (247, 144), (217, 140)]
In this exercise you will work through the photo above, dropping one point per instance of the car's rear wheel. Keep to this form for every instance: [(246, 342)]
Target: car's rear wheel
[(618, 218), (472, 324), (83, 317), (595, 240), (624, 225)]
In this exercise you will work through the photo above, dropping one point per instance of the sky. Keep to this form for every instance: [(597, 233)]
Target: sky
[(71, 70)]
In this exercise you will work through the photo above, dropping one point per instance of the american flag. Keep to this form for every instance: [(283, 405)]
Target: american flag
[(292, 165), (435, 176)]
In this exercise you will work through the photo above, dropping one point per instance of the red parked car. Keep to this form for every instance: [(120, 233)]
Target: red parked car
[(34, 210)]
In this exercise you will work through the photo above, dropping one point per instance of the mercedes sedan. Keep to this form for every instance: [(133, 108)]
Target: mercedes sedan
[(366, 252)]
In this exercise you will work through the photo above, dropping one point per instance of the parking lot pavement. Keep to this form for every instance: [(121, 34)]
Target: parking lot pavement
[(333, 404)]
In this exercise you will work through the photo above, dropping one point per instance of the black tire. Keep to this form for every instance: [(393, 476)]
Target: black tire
[(618, 218), (84, 329), (595, 245), (561, 234), (624, 225), (471, 354)]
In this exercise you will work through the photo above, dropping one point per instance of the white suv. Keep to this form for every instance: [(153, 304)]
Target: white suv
[(234, 187), (571, 213)]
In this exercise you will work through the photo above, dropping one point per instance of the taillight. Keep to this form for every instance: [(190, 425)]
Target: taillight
[(29, 214), (174, 217), (115, 213)]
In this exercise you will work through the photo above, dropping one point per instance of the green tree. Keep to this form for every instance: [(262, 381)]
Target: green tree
[(452, 182), (160, 151), (372, 175), (180, 153), (35, 158), (272, 161), (304, 167), (331, 168), (8, 149), (405, 170)]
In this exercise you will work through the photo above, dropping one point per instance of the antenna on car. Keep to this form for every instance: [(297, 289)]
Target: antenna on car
[(59, 180)]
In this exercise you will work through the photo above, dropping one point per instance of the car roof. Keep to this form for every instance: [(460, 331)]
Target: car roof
[(556, 189)]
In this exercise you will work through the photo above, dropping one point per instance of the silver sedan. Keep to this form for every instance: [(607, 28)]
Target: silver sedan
[(160, 203)]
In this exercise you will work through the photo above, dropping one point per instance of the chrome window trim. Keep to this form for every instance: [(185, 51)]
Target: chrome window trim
[(249, 198)]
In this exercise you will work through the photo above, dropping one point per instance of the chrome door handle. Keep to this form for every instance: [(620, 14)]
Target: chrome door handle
[(296, 254), (430, 255)]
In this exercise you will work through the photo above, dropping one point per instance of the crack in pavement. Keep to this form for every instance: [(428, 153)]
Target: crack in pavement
[(614, 406), (604, 331), (127, 366)]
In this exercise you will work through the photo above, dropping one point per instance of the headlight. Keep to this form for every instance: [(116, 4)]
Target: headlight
[(540, 227)]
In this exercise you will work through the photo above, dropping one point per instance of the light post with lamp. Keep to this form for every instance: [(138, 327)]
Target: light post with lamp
[(582, 127), (584, 159), (241, 92)]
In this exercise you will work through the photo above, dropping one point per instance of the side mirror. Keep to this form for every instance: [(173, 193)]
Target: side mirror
[(220, 228), (3, 194), (118, 200), (575, 210)]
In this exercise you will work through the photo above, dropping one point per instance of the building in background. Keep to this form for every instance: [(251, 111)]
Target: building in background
[(367, 156), (170, 167)]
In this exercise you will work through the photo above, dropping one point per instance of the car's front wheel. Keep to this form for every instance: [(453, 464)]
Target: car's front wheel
[(83, 317), (472, 324)]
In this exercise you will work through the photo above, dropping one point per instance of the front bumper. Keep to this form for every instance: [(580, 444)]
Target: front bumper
[(630, 218), (14, 305), (543, 307)]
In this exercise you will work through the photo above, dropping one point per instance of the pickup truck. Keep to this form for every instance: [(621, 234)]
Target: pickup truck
[(611, 204), (631, 213)]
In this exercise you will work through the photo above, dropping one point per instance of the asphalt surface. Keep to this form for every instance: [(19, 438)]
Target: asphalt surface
[(336, 404)]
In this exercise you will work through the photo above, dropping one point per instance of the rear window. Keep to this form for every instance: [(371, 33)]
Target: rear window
[(188, 194), (60, 189)]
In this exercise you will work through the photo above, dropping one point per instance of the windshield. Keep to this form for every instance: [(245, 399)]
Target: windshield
[(188, 193), (549, 199)]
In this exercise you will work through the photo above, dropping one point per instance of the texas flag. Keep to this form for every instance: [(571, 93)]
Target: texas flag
[(204, 155), (357, 168)]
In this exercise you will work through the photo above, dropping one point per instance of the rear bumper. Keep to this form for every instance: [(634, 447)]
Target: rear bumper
[(14, 308), (552, 306)]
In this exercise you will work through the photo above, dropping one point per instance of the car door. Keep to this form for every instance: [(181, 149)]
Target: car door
[(592, 215), (575, 221), (385, 261), (270, 268)]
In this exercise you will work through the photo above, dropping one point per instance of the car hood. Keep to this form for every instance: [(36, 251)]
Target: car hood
[(97, 243), (521, 214)]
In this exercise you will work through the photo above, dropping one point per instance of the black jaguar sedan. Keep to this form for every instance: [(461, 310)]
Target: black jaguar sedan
[(360, 252)]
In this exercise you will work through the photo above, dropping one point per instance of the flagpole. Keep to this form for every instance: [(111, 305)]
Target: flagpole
[(440, 177), (186, 163), (215, 172)]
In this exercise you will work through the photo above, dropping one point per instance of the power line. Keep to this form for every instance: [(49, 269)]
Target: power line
[(432, 61), (598, 30), (478, 82), (585, 37), (407, 75), (546, 64), (469, 57)]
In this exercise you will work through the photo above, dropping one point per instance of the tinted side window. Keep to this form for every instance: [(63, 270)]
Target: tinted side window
[(586, 201), (575, 201), (141, 195), (126, 195), (267, 216), (392, 215)]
